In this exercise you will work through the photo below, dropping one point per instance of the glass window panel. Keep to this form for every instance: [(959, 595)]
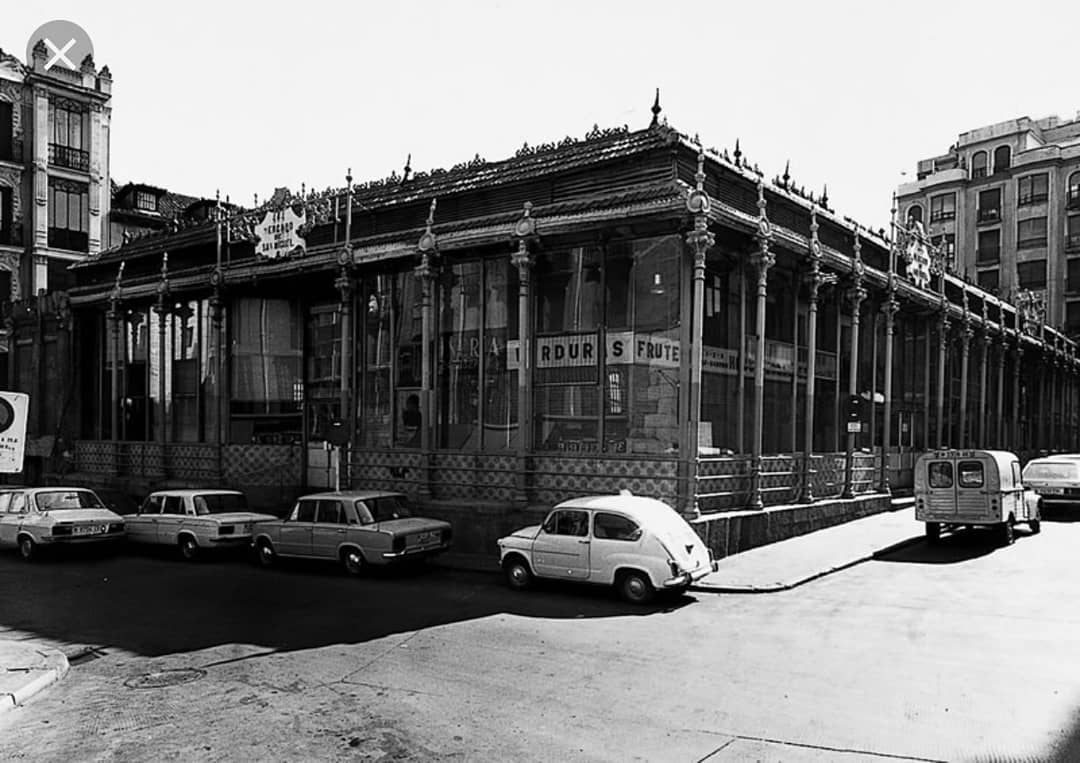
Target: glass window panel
[(267, 375), (500, 428), (61, 217), (460, 301), (408, 333), (376, 420)]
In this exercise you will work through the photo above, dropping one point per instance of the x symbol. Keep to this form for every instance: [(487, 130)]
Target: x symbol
[(60, 54)]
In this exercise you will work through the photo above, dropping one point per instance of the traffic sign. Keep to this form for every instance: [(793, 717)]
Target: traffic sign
[(13, 408)]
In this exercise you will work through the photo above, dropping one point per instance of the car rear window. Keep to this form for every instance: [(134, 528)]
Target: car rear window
[(970, 473), (939, 474), (1051, 471), (67, 499), (219, 503), (385, 508)]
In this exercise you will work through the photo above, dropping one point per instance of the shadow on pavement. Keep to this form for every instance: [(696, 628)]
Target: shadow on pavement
[(154, 605), (1061, 513), (951, 548)]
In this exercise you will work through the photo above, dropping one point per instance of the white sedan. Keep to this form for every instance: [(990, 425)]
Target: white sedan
[(194, 520), (36, 517)]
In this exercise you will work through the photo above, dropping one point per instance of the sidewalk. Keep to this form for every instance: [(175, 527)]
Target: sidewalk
[(27, 667), (782, 565)]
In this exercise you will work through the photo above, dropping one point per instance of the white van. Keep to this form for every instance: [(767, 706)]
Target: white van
[(968, 488)]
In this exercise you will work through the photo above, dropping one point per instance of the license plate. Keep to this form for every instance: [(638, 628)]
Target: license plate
[(1054, 490), (424, 538), (88, 529)]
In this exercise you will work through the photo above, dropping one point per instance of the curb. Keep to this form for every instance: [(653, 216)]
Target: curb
[(56, 668), (778, 587)]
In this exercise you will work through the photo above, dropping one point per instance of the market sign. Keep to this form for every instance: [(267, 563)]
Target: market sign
[(279, 234), (13, 408), (581, 350)]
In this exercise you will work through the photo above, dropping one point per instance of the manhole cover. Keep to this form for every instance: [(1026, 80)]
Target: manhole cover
[(162, 678)]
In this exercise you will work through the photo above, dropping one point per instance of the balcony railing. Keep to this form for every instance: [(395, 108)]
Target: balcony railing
[(990, 215), (1072, 201), (945, 215), (1072, 242), (1032, 198), (71, 158), (72, 240)]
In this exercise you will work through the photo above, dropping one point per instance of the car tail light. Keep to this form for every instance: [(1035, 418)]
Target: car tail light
[(675, 571), (227, 530), (399, 543), (61, 530)]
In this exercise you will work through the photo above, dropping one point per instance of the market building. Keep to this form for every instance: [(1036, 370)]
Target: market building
[(630, 310)]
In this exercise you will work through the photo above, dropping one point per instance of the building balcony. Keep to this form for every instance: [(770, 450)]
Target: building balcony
[(70, 158), (936, 217), (1032, 198), (986, 216)]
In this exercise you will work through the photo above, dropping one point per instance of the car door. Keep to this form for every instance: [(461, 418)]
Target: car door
[(170, 519), (142, 527), (615, 538), (17, 512), (561, 548), (328, 531), (296, 530), (8, 520)]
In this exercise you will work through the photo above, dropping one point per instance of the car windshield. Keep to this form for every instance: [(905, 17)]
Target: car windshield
[(53, 500), (1050, 471), (219, 503), (388, 507)]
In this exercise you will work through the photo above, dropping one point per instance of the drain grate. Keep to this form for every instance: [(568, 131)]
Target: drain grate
[(160, 679)]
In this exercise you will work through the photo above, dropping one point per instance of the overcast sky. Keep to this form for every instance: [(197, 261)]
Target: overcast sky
[(248, 96)]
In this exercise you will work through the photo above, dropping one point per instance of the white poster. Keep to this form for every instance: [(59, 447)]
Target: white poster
[(13, 409)]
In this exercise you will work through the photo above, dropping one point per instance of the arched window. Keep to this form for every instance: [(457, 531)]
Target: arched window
[(978, 164), (1072, 200), (914, 214), (7, 215), (1001, 158)]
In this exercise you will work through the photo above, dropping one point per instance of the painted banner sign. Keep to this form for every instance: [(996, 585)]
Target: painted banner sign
[(279, 233)]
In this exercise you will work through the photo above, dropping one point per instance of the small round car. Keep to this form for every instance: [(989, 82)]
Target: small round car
[(638, 545)]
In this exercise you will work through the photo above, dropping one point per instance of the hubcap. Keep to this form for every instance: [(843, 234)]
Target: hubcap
[(266, 554), (26, 547), (635, 587), (518, 574), (352, 560)]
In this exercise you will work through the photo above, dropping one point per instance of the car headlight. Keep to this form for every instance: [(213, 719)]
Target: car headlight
[(227, 530)]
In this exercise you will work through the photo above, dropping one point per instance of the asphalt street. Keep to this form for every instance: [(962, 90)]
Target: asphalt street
[(961, 652)]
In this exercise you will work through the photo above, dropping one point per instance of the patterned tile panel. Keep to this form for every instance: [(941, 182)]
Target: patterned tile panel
[(475, 476), (193, 462), (556, 479), (388, 470), (267, 465)]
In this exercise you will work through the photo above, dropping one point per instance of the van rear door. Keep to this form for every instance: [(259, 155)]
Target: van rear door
[(973, 486), (941, 489)]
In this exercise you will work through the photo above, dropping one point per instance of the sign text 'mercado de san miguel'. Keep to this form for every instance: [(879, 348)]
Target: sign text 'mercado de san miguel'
[(279, 233)]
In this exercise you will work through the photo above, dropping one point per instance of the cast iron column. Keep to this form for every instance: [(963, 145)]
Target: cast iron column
[(522, 259), (114, 319), (965, 357), (890, 308), (856, 295), (762, 260), (1018, 358), (425, 271), (815, 281), (999, 407), (943, 341)]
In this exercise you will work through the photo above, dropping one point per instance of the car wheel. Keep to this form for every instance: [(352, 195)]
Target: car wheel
[(933, 532), (189, 549), (635, 587), (1005, 532), (1036, 526), (353, 561), (264, 552), (518, 574), (27, 548)]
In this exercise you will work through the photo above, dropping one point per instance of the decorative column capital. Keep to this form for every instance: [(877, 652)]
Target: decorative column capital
[(526, 236)]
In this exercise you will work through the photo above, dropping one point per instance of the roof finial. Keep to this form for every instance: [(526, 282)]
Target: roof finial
[(656, 110), (738, 153), (787, 173), (825, 196), (408, 169), (256, 199)]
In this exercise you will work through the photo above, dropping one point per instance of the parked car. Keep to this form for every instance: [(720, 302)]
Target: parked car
[(355, 527), (639, 545), (35, 517), (194, 520), (973, 488), (1055, 478)]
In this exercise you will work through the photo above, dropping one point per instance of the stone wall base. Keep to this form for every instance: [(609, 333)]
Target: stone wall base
[(734, 531)]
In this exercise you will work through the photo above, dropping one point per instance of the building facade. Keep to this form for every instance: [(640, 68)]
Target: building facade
[(1005, 204), (627, 310)]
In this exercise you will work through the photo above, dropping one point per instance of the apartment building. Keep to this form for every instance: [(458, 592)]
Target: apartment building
[(55, 190), (1004, 206)]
